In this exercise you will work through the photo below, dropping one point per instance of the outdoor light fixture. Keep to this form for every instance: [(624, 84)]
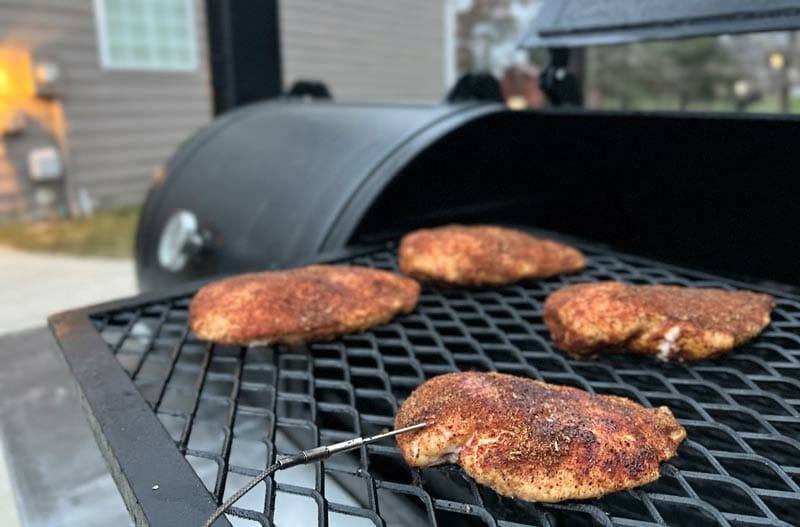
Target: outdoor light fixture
[(16, 81), (516, 102), (777, 61), (13, 87), (47, 72), (5, 82), (741, 88), (47, 77)]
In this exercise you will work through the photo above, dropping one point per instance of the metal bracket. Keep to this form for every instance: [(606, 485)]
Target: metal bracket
[(556, 81)]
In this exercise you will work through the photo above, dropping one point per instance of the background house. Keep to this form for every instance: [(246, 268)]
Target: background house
[(96, 94)]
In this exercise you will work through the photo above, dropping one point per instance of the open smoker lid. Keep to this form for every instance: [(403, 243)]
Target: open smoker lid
[(578, 23)]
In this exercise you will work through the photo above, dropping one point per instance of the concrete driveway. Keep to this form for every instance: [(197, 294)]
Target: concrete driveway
[(51, 472), (34, 285)]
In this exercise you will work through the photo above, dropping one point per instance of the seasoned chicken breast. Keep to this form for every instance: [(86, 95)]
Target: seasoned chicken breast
[(318, 302), (669, 322), (459, 255), (536, 441)]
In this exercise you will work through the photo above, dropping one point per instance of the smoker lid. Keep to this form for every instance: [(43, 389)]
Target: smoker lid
[(577, 23)]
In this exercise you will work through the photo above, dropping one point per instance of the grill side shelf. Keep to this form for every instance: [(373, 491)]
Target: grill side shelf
[(157, 484)]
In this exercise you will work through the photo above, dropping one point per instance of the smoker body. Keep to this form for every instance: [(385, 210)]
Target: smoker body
[(279, 182)]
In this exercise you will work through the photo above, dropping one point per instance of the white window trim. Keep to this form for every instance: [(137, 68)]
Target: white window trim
[(103, 45), (450, 45)]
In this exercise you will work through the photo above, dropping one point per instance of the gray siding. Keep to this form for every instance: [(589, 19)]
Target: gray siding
[(366, 50), (120, 125)]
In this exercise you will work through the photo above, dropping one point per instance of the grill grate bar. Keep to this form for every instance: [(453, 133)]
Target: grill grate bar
[(173, 357), (150, 341)]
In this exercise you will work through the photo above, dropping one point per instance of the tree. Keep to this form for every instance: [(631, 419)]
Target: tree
[(614, 74), (689, 70)]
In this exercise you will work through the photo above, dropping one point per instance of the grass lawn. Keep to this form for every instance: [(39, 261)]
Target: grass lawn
[(767, 104), (107, 233)]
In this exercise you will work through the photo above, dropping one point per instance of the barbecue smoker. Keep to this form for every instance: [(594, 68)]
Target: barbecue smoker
[(184, 424)]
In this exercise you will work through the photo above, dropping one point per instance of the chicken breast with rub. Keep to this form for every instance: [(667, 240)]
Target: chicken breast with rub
[(535, 441), (670, 322), (318, 302), (478, 255)]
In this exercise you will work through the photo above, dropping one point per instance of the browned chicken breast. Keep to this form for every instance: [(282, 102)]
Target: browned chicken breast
[(318, 302), (460, 255), (536, 441), (669, 322)]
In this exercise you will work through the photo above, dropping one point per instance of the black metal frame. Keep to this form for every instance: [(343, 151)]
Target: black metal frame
[(142, 454), (244, 51), (558, 83), (157, 485), (151, 474)]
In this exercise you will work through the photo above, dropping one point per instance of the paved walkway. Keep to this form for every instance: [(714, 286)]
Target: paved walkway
[(8, 507), (54, 474), (34, 285)]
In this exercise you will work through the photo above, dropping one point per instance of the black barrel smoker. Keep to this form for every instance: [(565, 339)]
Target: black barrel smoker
[(279, 182), (274, 183)]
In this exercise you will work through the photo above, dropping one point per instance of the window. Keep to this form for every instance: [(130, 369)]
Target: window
[(146, 34)]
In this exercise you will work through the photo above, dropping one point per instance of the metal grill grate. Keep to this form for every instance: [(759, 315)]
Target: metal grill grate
[(230, 410)]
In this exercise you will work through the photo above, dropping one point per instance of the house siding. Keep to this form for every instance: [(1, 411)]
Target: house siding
[(118, 125), (115, 127), (366, 50)]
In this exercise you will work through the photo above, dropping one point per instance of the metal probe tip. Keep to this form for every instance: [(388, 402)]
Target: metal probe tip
[(391, 433), (408, 428), (351, 444)]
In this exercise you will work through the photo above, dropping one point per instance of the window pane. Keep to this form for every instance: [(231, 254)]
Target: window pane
[(147, 34), (119, 53), (134, 8), (115, 7)]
